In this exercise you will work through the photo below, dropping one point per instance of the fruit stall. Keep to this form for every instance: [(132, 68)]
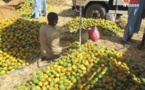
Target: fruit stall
[(93, 67)]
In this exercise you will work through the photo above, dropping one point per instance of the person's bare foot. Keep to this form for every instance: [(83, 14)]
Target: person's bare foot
[(38, 62)]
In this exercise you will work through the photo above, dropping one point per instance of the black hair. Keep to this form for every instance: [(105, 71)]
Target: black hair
[(52, 18)]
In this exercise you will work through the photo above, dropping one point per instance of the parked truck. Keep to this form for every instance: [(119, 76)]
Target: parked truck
[(99, 8)]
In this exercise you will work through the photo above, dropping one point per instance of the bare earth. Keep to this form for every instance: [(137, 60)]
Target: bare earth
[(7, 82)]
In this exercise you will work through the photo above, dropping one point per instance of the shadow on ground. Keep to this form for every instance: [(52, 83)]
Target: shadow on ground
[(68, 13)]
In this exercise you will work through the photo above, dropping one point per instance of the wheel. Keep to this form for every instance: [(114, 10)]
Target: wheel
[(96, 11)]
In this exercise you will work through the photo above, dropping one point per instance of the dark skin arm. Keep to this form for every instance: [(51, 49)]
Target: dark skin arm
[(66, 47)]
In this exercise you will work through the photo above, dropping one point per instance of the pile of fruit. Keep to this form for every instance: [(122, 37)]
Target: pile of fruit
[(26, 9), (69, 39), (105, 27), (93, 68), (19, 43)]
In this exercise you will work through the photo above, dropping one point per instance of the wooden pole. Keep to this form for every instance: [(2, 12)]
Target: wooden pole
[(80, 38)]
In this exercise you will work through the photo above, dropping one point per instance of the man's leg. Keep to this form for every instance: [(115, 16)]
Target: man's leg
[(140, 46), (37, 14), (46, 60), (44, 7), (125, 36), (74, 4), (143, 39)]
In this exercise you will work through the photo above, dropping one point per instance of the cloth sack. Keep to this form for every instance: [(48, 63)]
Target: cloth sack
[(84, 35), (110, 16)]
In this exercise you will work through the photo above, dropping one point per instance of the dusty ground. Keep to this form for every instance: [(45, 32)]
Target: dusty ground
[(7, 82)]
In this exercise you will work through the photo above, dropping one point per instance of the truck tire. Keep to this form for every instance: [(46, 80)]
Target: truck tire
[(96, 11)]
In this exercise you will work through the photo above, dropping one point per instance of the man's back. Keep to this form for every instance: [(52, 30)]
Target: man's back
[(49, 41)]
